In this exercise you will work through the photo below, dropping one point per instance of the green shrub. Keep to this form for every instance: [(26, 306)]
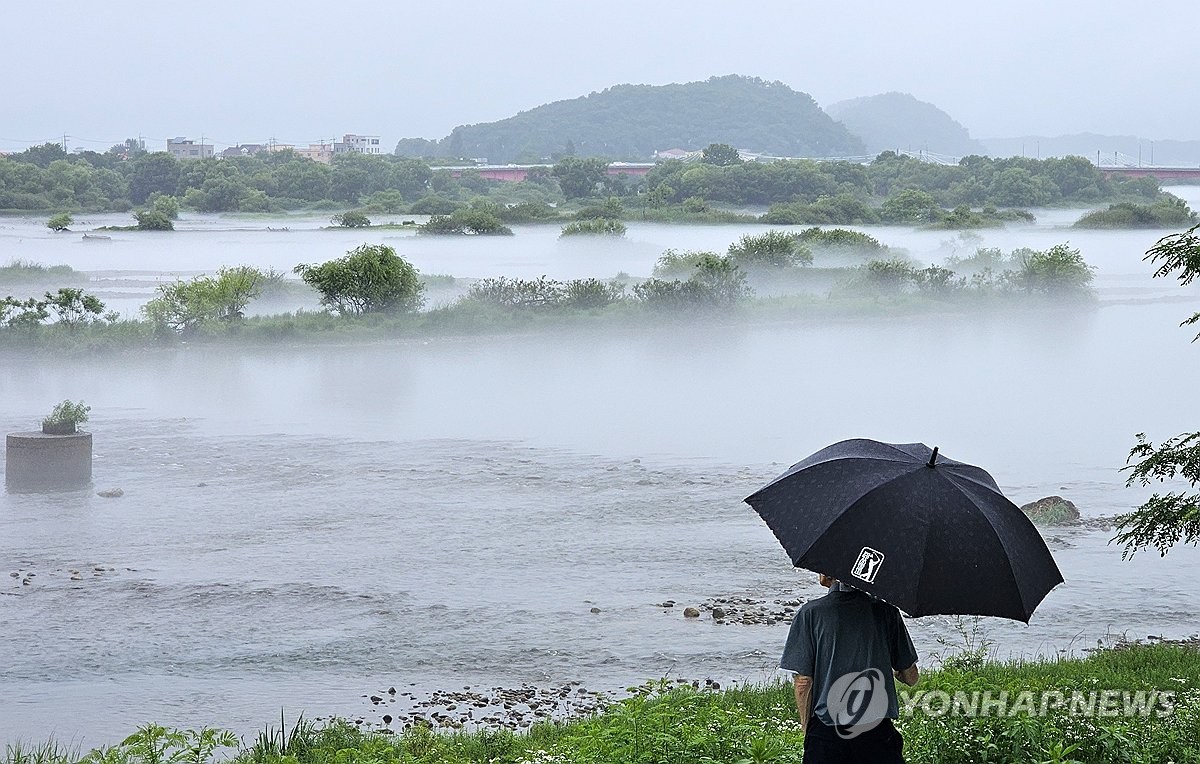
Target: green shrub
[(773, 249), (611, 209), (715, 282), (1167, 212), (351, 219), (518, 293), (674, 263), (591, 294), (1059, 269), (434, 204), (186, 306), (368, 279), (477, 221), (166, 204), (153, 220), (890, 276), (59, 222), (840, 239), (67, 413), (526, 212), (25, 271), (842, 209), (596, 227)]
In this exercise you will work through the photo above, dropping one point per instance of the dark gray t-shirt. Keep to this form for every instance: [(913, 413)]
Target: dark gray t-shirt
[(846, 633)]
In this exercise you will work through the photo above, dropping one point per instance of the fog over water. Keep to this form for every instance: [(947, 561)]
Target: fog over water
[(302, 526)]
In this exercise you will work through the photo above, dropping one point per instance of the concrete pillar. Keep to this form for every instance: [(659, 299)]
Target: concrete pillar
[(37, 462)]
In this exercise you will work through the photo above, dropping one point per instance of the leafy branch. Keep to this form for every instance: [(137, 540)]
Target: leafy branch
[(1168, 518)]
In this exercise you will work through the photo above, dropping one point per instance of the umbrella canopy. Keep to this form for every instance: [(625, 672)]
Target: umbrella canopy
[(928, 534)]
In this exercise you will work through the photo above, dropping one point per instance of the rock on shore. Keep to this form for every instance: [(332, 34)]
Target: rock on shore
[(1052, 510)]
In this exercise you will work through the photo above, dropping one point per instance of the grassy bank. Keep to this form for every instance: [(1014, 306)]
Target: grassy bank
[(679, 725)]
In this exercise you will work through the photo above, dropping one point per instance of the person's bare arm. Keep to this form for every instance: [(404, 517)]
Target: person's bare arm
[(803, 686), (909, 676)]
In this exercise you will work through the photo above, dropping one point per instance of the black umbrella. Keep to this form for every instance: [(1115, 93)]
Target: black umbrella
[(929, 535)]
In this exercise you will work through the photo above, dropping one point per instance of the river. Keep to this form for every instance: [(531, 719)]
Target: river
[(302, 527)]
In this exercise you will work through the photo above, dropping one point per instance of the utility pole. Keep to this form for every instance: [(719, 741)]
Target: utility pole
[(64, 143)]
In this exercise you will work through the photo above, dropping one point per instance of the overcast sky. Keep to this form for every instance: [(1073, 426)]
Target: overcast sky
[(301, 71)]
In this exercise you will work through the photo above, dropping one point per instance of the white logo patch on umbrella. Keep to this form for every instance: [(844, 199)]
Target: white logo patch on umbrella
[(866, 567)]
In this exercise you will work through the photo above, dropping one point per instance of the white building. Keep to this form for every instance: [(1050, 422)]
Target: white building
[(183, 148), (358, 144)]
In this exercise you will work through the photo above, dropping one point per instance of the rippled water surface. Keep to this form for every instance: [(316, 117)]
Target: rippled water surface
[(301, 527)]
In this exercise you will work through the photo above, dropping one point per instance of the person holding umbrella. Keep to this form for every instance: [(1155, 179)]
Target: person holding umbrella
[(908, 531), (844, 650)]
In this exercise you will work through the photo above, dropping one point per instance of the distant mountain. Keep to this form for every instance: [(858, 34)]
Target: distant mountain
[(898, 121), (1114, 149), (631, 122)]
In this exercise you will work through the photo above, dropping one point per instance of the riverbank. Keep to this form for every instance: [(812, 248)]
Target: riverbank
[(1134, 703)]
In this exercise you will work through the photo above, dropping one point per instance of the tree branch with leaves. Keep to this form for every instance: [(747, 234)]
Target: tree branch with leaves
[(1170, 518)]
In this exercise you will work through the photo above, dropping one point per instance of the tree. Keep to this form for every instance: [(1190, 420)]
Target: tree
[(720, 154), (22, 313), (910, 206), (1173, 517), (185, 306), (42, 155), (579, 178), (476, 220), (153, 220), (157, 171), (73, 307), (351, 219), (166, 204), (59, 222), (369, 279)]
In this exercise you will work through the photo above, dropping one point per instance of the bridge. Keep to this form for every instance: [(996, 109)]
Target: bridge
[(1163, 174)]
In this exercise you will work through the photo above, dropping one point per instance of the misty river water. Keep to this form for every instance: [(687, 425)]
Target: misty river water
[(303, 526)]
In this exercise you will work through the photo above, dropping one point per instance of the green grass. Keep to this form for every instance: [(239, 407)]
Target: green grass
[(669, 724)]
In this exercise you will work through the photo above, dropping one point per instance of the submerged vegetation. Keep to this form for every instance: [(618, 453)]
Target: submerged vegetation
[(373, 292), (594, 227), (1135, 703), (25, 272), (1169, 211)]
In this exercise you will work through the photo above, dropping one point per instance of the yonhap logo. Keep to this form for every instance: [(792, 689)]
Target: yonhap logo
[(866, 567), (857, 702)]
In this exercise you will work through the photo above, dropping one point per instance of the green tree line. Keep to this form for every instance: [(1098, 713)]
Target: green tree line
[(892, 188)]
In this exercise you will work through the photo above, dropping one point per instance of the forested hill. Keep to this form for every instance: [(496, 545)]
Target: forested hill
[(898, 121), (631, 122)]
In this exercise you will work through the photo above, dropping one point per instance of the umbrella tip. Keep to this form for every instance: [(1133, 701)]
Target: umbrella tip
[(933, 457)]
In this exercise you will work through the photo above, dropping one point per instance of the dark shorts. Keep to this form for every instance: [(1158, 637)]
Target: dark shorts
[(882, 745)]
